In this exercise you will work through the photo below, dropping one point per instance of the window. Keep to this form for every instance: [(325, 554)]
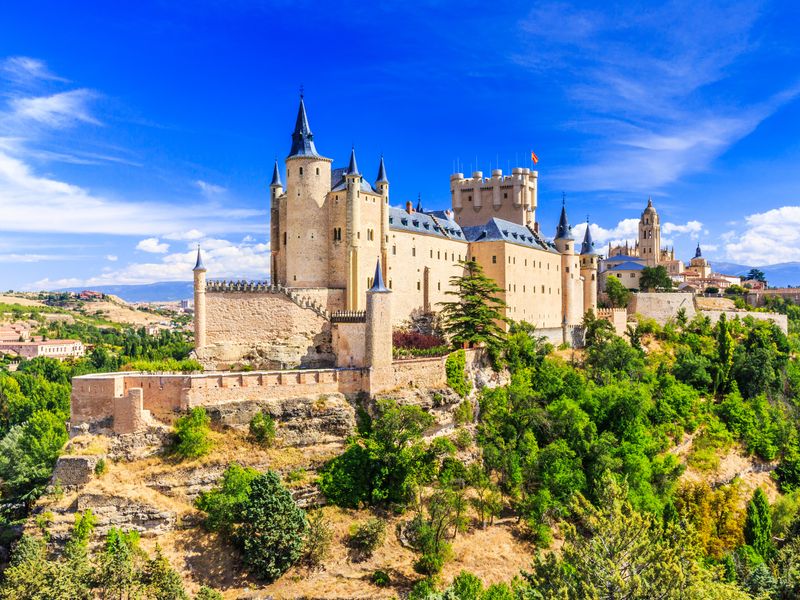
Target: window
[(284, 238), (418, 286), (438, 255), (414, 253), (505, 194), (337, 234), (317, 170), (431, 252), (358, 235), (469, 198), (390, 284), (439, 286), (394, 250), (301, 170), (494, 260), (567, 268), (370, 234), (369, 282)]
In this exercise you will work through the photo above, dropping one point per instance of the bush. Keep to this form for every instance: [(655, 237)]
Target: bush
[(272, 528), (166, 365), (193, 434), (101, 467), (380, 578), (206, 593), (414, 340), (262, 428), (367, 537), (463, 414), (455, 367), (223, 505), (317, 544), (462, 439), (430, 563)]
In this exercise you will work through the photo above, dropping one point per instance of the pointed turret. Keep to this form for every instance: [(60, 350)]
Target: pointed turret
[(419, 203), (302, 138), (276, 177), (378, 286), (382, 173), (587, 247), (564, 231), (698, 253), (199, 266), (352, 168)]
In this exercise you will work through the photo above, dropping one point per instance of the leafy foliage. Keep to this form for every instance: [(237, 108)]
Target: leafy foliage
[(455, 369), (262, 428), (193, 434)]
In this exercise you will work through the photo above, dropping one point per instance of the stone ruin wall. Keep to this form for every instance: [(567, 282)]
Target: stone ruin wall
[(780, 320), (661, 306), (618, 317), (265, 329)]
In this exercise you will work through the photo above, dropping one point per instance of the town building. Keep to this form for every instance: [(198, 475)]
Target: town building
[(58, 349)]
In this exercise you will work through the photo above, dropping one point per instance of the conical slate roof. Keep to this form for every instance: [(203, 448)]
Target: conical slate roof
[(698, 253), (377, 283), (302, 138), (199, 266), (564, 231), (276, 176), (587, 247), (382, 173), (352, 168)]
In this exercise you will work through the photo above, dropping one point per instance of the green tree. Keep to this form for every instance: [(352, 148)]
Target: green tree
[(755, 275), (476, 316), (725, 348), (758, 524), (618, 294), (193, 434), (655, 278), (161, 580), (272, 529), (120, 565), (223, 505)]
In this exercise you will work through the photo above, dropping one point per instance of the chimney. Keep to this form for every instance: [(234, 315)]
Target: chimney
[(409, 207), (536, 227)]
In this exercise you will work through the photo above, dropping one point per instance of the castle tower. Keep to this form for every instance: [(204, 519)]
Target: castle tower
[(199, 302), (304, 236), (382, 185), (588, 259), (650, 235), (700, 264), (379, 334), (478, 199), (275, 192), (353, 183), (570, 269)]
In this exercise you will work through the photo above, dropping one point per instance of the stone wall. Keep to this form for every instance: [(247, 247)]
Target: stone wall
[(265, 329), (349, 341), (780, 320), (618, 317), (661, 306)]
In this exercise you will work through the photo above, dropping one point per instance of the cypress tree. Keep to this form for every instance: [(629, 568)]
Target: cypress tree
[(758, 524)]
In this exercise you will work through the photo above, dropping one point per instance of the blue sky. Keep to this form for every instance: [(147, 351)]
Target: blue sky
[(129, 132)]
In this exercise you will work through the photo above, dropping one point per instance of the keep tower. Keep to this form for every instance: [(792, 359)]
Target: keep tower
[(650, 235)]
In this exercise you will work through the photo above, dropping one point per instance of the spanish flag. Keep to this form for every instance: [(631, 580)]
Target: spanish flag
[(534, 158)]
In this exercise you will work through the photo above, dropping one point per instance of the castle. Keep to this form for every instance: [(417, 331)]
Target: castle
[(329, 227)]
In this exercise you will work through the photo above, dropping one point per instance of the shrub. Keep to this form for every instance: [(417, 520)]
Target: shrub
[(368, 536), (193, 434), (223, 505), (101, 467), (262, 428), (206, 593), (165, 365), (463, 414), (272, 528), (455, 368), (317, 544), (380, 578), (424, 589), (414, 340), (430, 563), (462, 439), (466, 586)]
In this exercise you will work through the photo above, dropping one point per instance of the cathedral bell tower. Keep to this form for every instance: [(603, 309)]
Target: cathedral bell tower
[(650, 235)]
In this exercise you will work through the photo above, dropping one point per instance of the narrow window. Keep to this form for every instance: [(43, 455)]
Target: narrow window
[(414, 253), (394, 250), (301, 170), (494, 260), (317, 170)]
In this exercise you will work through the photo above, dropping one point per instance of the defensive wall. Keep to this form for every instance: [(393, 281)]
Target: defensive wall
[(664, 306), (757, 297), (126, 401), (618, 317)]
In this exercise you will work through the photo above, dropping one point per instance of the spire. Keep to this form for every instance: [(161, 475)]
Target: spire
[(587, 247), (382, 173), (698, 253), (377, 282), (352, 168), (302, 138), (563, 231), (419, 202), (276, 177), (199, 266), (649, 202)]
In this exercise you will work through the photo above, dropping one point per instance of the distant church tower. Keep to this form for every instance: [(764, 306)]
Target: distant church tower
[(650, 235)]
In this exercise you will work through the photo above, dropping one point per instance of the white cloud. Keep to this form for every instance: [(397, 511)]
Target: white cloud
[(31, 258), (112, 257), (192, 234), (223, 259), (692, 227), (768, 238), (152, 245), (209, 189), (24, 69), (58, 110)]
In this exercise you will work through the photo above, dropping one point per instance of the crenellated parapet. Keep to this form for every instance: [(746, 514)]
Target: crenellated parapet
[(294, 294)]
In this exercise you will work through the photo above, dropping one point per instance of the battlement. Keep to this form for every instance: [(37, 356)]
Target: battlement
[(349, 316), (296, 295), (511, 197)]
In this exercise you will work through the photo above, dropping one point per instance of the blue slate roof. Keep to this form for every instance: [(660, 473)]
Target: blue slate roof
[(623, 257), (628, 266), (339, 184), (276, 176), (382, 173), (352, 168), (302, 138), (199, 266), (564, 231), (587, 247), (433, 223), (501, 230), (377, 283)]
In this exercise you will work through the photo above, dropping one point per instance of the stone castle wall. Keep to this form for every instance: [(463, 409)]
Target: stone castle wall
[(661, 306), (266, 329), (165, 396), (780, 320), (618, 317)]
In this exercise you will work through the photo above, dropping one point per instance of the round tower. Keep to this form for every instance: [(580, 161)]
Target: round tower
[(382, 185), (199, 272), (352, 180), (378, 349), (565, 244), (275, 192), (305, 236), (588, 260)]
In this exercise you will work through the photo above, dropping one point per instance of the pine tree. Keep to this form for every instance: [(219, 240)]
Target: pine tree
[(476, 316), (724, 354), (758, 524)]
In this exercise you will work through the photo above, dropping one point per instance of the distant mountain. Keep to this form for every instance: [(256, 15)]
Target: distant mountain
[(162, 291), (778, 275)]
